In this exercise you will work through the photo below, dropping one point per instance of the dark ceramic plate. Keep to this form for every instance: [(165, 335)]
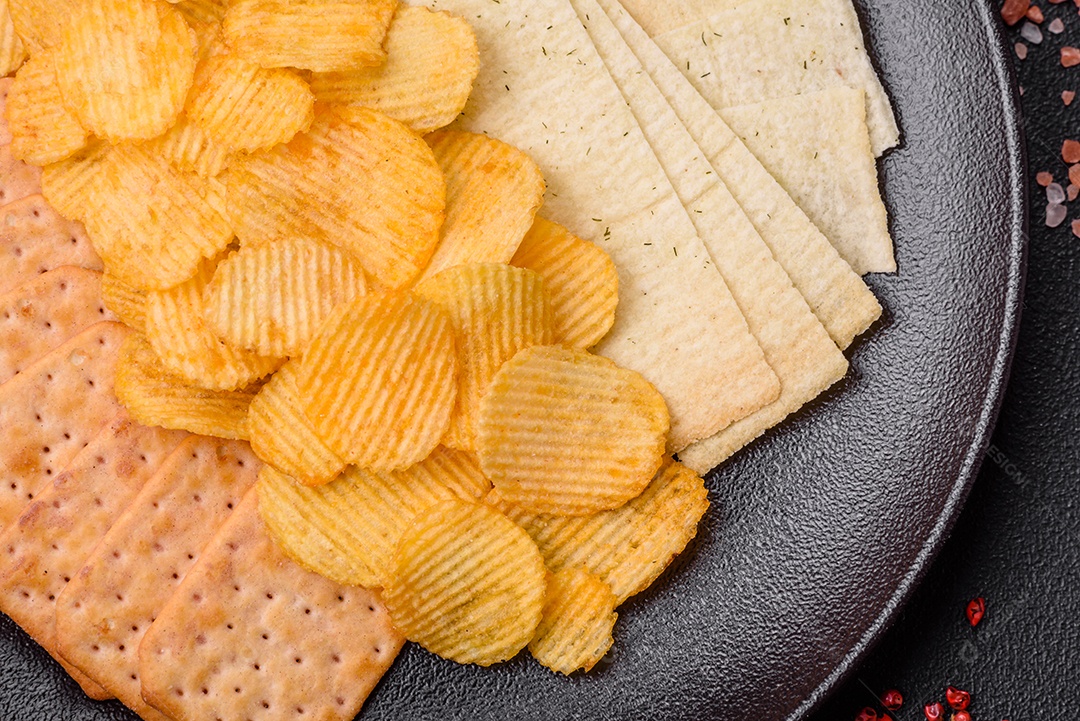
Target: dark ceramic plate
[(819, 532)]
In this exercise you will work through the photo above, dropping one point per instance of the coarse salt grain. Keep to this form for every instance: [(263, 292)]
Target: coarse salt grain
[(1013, 10), (1076, 228), (1044, 178), (1055, 193), (1035, 14), (1072, 191), (1070, 56), (1021, 51), (1070, 151), (1056, 26), (1031, 33), (1074, 174), (1055, 215), (1067, 96)]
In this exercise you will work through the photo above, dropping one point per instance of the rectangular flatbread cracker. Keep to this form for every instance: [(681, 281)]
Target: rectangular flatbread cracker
[(52, 538), (42, 314), (51, 410), (5, 88), (18, 180), (107, 607), (837, 295), (737, 52), (795, 343), (35, 239), (543, 88), (251, 635)]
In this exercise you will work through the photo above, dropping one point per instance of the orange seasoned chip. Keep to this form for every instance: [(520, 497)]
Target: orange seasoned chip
[(431, 62), (282, 436), (69, 184), (270, 299), (564, 431), (379, 380), (579, 616), (128, 303), (467, 584), (497, 311), (125, 67), (40, 22), (493, 191), (156, 397), (580, 279), (12, 48), (368, 185), (211, 12), (43, 131), (349, 529), (190, 149), (246, 108), (186, 345), (323, 36), (630, 546)]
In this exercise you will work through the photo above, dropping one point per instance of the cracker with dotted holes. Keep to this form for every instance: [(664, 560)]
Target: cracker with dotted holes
[(60, 528), (17, 179), (107, 607), (51, 410), (5, 130), (34, 239), (40, 315), (251, 635)]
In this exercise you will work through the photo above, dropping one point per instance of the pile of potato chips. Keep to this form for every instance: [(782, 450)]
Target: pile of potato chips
[(315, 263)]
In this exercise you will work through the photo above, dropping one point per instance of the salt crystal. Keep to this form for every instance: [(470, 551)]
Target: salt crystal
[(1021, 51), (1076, 228), (1073, 191), (1056, 26), (1031, 33), (1067, 96), (1055, 215), (1055, 194)]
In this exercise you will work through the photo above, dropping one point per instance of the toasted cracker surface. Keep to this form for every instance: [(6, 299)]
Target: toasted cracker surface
[(17, 179), (34, 239), (251, 635)]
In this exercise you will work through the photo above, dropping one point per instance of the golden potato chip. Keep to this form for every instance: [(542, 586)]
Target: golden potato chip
[(566, 432), (182, 339), (190, 149), (630, 546), (368, 185), (128, 303), (579, 616), (125, 67), (271, 298), (349, 529), (580, 279), (247, 108), (157, 397), (379, 380), (431, 62), (322, 36), (151, 224), (497, 311), (12, 48), (42, 129), (39, 22), (493, 191), (211, 12), (282, 435), (467, 584)]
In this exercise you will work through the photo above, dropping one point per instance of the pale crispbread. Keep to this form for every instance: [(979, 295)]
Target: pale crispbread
[(817, 147), (744, 51), (43, 313), (836, 294), (52, 538), (106, 608), (17, 179), (251, 635), (795, 343), (543, 88), (34, 239), (51, 410)]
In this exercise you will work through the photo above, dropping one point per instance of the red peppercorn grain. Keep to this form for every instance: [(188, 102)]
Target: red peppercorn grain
[(976, 609), (892, 699), (934, 711), (957, 698), (867, 714), (1013, 10)]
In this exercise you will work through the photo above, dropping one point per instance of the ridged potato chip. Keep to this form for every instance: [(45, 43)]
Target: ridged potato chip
[(282, 436), (579, 616), (628, 547), (431, 62), (128, 303), (157, 397), (493, 191), (182, 339), (40, 22), (566, 432), (349, 529), (323, 36), (379, 380), (42, 129), (368, 185), (467, 584), (12, 48), (497, 311), (580, 279), (247, 108), (125, 67), (270, 299), (69, 184), (190, 149), (211, 12)]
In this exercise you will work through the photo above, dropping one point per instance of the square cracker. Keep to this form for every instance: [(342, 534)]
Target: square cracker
[(795, 343), (35, 239), (5, 88), (51, 410), (42, 314), (18, 180), (251, 635), (837, 295), (105, 610), (544, 89), (59, 529)]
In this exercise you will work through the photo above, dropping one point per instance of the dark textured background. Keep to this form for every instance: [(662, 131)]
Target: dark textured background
[(1017, 542)]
